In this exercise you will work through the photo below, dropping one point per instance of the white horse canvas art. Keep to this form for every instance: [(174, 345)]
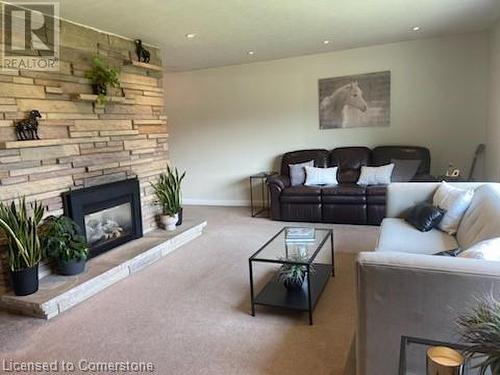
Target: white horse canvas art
[(355, 101)]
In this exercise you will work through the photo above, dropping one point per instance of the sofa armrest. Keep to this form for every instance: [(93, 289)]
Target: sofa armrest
[(430, 263), (278, 181), (276, 185), (413, 295), (404, 195)]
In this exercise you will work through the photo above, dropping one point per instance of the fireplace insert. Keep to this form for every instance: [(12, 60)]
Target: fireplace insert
[(109, 215)]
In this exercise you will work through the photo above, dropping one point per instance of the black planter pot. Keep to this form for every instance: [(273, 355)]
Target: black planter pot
[(70, 268), (179, 221), (293, 284), (25, 282), (99, 89)]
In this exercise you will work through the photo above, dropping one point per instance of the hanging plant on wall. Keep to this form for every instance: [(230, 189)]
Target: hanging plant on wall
[(102, 76)]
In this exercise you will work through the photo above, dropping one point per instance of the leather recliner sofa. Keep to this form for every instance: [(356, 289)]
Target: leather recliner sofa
[(347, 202)]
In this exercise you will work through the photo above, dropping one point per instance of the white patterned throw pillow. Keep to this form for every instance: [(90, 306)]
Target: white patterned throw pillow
[(321, 176), (376, 175), (487, 250), (455, 201)]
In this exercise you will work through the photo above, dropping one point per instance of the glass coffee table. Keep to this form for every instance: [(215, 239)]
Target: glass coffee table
[(283, 250)]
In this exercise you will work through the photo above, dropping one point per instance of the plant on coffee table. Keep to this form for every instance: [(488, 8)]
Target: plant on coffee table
[(481, 328), (20, 225), (168, 196), (293, 275), (64, 244)]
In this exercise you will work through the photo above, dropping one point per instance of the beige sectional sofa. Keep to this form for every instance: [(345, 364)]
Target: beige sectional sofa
[(404, 290)]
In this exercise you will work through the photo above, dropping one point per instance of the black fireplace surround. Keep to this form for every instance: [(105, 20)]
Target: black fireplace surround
[(109, 215)]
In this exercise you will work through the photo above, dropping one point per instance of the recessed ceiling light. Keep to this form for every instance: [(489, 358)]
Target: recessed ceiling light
[(190, 35), (250, 52), (416, 28), (326, 42)]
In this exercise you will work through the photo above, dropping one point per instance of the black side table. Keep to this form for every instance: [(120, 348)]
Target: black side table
[(262, 176)]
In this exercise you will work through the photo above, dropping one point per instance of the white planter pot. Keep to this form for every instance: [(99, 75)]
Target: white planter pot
[(168, 222)]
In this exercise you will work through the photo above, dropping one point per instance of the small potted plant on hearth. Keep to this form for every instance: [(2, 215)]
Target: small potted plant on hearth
[(102, 75), (168, 196), (64, 244), (292, 276), (20, 225), (481, 329)]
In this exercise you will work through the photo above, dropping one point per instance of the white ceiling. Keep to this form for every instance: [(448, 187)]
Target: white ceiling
[(227, 29)]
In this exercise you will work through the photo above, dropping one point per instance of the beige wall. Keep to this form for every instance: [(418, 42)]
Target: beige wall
[(493, 129), (227, 123)]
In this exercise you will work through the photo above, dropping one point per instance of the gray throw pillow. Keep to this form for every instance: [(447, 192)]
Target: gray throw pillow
[(298, 172), (404, 169)]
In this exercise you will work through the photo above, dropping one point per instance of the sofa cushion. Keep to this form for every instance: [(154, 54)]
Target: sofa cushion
[(301, 194), (298, 172), (424, 216), (376, 175), (397, 235), (321, 176), (344, 194), (384, 154), (377, 195), (302, 190), (404, 169), (455, 201), (344, 189), (480, 221), (372, 190), (349, 160), (319, 156), (487, 250)]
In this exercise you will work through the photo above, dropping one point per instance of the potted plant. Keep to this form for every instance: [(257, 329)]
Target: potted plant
[(102, 76), (293, 275), (168, 195), (481, 329), (64, 244), (23, 244)]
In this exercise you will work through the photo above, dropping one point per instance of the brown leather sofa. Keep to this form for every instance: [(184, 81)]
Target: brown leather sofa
[(347, 202)]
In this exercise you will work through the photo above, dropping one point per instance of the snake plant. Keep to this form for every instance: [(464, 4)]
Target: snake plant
[(21, 227), (481, 329), (168, 191)]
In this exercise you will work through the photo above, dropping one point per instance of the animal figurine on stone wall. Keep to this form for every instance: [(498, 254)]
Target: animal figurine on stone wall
[(142, 53), (27, 130)]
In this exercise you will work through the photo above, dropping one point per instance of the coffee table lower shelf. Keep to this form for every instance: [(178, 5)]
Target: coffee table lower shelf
[(274, 294)]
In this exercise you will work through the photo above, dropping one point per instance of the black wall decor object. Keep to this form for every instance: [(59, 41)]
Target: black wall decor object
[(142, 53), (27, 130), (109, 214)]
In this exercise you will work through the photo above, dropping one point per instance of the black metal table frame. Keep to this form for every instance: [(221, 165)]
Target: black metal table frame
[(264, 191), (307, 265), (406, 340)]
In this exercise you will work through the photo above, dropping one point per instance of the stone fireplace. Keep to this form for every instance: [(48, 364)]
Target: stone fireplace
[(84, 144), (109, 215)]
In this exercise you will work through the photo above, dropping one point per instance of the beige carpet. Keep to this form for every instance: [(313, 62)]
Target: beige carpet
[(189, 313)]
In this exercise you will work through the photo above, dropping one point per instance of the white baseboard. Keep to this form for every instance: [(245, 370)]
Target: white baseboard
[(218, 202)]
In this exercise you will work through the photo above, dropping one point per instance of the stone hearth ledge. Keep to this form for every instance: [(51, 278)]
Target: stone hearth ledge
[(59, 293)]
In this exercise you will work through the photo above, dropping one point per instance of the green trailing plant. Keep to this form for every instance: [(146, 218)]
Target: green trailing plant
[(480, 327), (168, 191), (21, 227), (61, 240), (294, 274), (102, 76)]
